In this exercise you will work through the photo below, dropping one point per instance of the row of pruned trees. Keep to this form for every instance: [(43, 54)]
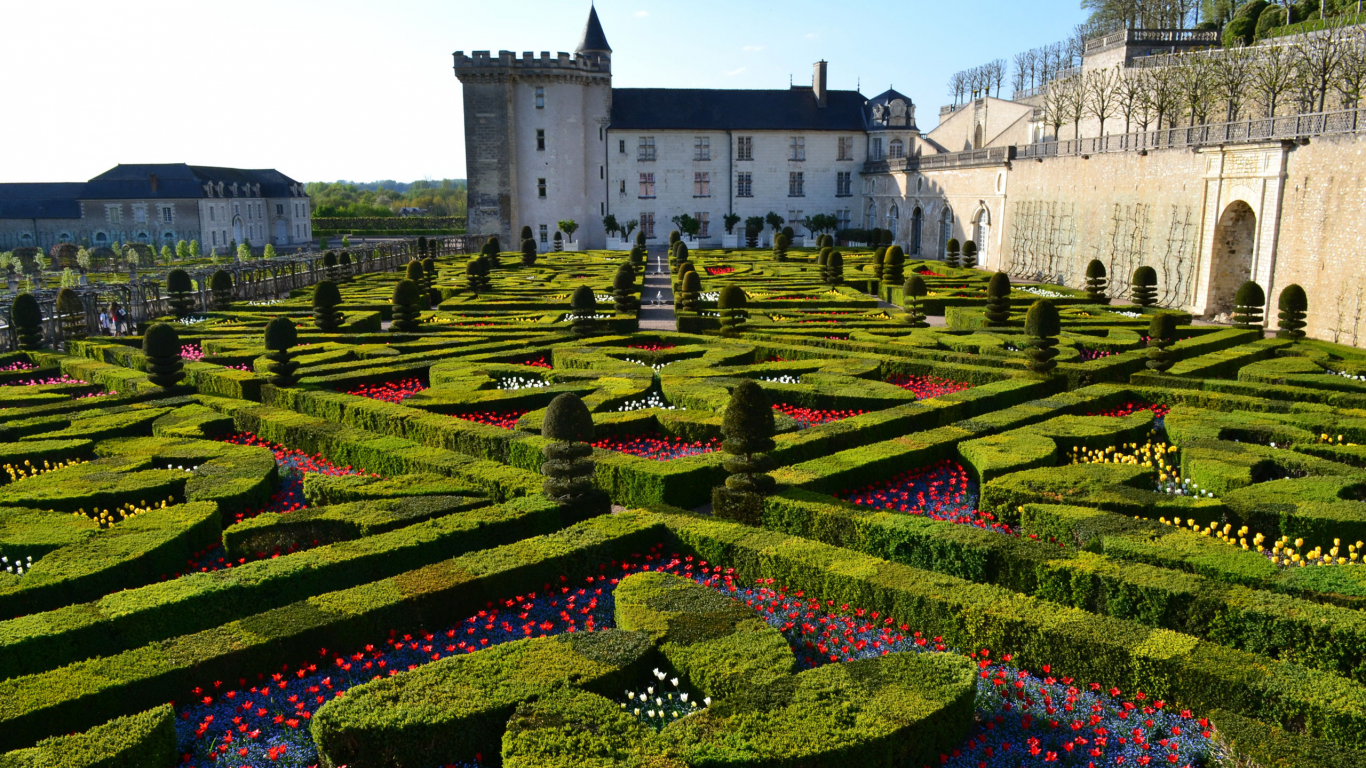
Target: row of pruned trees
[(977, 81), (1312, 72)]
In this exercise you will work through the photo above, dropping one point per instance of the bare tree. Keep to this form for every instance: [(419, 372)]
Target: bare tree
[(1320, 55), (1130, 95), (1351, 75), (1055, 107), (1162, 93), (1099, 96), (1071, 100), (1194, 82), (1031, 65), (1230, 72), (1273, 75), (1017, 76), (998, 74), (957, 82)]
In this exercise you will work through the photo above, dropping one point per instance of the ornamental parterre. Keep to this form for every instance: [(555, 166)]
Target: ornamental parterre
[(1112, 536)]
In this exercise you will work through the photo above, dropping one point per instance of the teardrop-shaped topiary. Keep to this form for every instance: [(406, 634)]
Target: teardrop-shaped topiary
[(969, 257), (161, 348), (281, 337), (526, 233), (1249, 306), (822, 257), (1042, 326), (624, 289), (679, 254), (583, 306), (732, 302), (1143, 287), (748, 428), (71, 311), (1161, 337), (894, 266), (780, 245), (220, 285), (529, 252), (834, 268), (179, 293), (407, 303), (998, 300), (1294, 305), (879, 259), (747, 423), (689, 298), (1097, 282), (28, 322), (951, 252), (912, 292), (326, 299), (567, 419)]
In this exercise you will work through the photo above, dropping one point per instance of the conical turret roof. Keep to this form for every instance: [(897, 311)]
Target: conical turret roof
[(593, 38)]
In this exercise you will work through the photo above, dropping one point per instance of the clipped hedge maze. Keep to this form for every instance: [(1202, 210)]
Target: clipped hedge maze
[(339, 551)]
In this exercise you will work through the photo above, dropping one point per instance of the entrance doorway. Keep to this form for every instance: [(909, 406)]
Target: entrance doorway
[(1231, 265)]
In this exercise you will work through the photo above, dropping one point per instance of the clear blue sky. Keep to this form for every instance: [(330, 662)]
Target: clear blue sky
[(330, 89)]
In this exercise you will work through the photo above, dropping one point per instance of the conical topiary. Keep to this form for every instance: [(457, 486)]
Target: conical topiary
[(951, 252), (640, 238), (894, 266), (1042, 326), (1249, 307), (494, 245), (179, 293), (1161, 336), (71, 310), (330, 265), (911, 293), (879, 258), (414, 273), (998, 300), (326, 299), (28, 322), (583, 311), (161, 348), (822, 257), (429, 280), (969, 258), (422, 244), (834, 268), (689, 298), (732, 302), (748, 428), (526, 233), (780, 243), (674, 238), (407, 301), (1294, 305), (639, 255), (679, 253), (1143, 287), (568, 467), (624, 289), (281, 336), (529, 252), (344, 266), (476, 274), (1097, 282), (220, 285)]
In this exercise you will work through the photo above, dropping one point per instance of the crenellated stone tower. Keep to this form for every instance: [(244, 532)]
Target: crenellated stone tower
[(535, 138)]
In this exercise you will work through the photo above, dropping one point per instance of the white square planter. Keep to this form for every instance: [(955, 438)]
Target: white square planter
[(730, 241), (572, 247), (618, 244)]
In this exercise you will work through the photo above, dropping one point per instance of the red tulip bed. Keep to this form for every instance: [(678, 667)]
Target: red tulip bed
[(191, 353), (714, 271), (1159, 410), (1021, 718), (503, 419), (652, 347), (389, 391), (658, 447), (928, 273), (18, 365), (941, 491), (542, 361), (811, 417), (63, 379), (927, 386), (293, 464)]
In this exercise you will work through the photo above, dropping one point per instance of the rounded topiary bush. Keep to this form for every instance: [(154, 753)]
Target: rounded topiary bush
[(1294, 305), (529, 252), (1143, 287), (912, 292), (1097, 282), (326, 299), (27, 317), (220, 285), (732, 302), (780, 245), (583, 310), (969, 257), (624, 289), (894, 266), (1161, 337), (998, 300), (526, 233), (951, 252), (822, 258), (689, 298), (879, 259), (1249, 306), (747, 426), (568, 466), (407, 303), (71, 310), (180, 293), (281, 338), (1042, 326), (161, 347)]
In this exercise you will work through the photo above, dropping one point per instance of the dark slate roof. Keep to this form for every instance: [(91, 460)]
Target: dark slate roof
[(593, 37), (743, 110), (888, 96), (179, 180), (41, 201)]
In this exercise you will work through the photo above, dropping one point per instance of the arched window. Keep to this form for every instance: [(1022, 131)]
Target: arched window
[(872, 216), (945, 230), (981, 233), (101, 238), (64, 237), (142, 237), (917, 222), (893, 219), (896, 149), (169, 237), (26, 240)]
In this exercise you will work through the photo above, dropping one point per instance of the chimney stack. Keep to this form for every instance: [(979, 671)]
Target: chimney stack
[(818, 83), (152, 179)]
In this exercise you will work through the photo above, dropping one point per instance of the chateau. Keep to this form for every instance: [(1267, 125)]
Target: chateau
[(158, 205)]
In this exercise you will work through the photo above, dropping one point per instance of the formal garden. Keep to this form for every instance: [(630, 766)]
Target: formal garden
[(856, 510)]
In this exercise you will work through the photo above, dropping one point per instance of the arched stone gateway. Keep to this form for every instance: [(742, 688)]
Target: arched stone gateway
[(1235, 238)]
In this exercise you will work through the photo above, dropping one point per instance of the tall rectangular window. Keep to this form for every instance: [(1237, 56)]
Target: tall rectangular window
[(540, 139), (744, 148), (703, 218), (701, 184), (842, 219), (545, 234), (647, 224), (744, 185), (844, 182), (540, 97), (211, 216), (621, 146), (796, 184), (645, 149), (279, 209), (647, 185), (623, 186), (540, 187), (876, 149), (701, 148), (166, 214), (846, 148), (796, 148)]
